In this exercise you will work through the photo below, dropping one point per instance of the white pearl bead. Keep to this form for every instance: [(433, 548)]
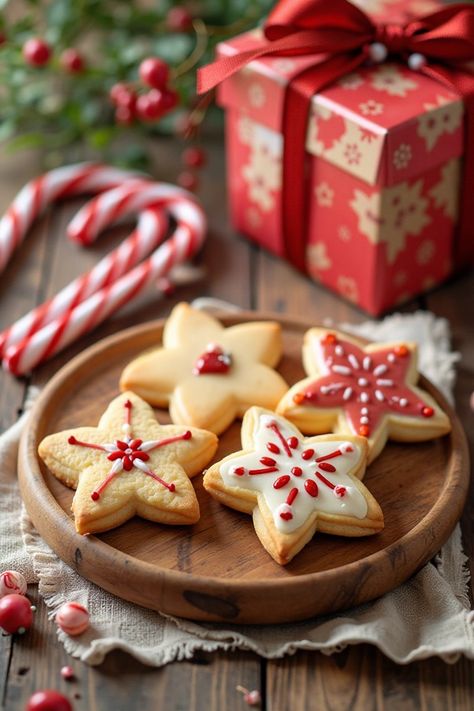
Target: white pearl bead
[(416, 61), (378, 52)]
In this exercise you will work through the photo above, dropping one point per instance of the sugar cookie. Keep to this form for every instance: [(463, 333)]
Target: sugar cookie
[(129, 464), (295, 486), (207, 374), (365, 390)]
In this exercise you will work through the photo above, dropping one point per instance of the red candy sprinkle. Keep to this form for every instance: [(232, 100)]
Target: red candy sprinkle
[(240, 471), (427, 411), (329, 340), (307, 454), (267, 461), (327, 467), (214, 362), (292, 442), (281, 481), (311, 487), (297, 471), (286, 515), (401, 351), (364, 431), (292, 496), (272, 447), (340, 490), (298, 398)]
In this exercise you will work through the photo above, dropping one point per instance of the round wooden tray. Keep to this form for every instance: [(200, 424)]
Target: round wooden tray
[(217, 570)]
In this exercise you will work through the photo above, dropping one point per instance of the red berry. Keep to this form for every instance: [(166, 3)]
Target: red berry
[(194, 157), (36, 52), (72, 61), (149, 105), (169, 99), (124, 116), (154, 72), (179, 19), (123, 95), (48, 700), (16, 614), (187, 180)]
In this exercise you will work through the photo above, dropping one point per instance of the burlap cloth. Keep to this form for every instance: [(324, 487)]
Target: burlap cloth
[(429, 615)]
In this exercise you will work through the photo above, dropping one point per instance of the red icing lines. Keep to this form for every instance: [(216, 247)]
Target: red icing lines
[(129, 453)]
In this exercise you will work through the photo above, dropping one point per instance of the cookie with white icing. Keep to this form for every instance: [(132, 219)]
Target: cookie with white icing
[(129, 464), (207, 374), (368, 390), (294, 486)]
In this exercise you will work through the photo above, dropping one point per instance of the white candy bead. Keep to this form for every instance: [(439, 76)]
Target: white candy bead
[(378, 52), (416, 61), (12, 582)]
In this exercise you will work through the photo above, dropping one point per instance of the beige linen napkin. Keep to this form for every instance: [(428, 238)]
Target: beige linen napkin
[(428, 615)]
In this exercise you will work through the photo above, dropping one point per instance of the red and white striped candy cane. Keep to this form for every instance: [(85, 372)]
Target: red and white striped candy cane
[(91, 298)]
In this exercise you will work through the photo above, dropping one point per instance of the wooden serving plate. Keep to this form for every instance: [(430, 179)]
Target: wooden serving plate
[(217, 570)]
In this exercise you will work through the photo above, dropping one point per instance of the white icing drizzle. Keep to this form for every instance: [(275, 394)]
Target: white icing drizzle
[(339, 350), (344, 498), (380, 370), (347, 393), (353, 361), (379, 395), (367, 362), (364, 397), (341, 369), (363, 382), (385, 382)]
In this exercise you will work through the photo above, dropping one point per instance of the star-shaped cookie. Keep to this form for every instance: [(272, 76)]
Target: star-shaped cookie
[(365, 390), (207, 374), (295, 486), (129, 464)]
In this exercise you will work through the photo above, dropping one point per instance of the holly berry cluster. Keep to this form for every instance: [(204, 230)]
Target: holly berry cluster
[(151, 101), (77, 76)]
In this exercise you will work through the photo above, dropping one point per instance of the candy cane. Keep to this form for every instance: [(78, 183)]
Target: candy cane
[(91, 298)]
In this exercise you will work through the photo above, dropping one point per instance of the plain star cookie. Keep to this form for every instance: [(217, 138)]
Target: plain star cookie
[(365, 390), (129, 464), (295, 486), (207, 374)]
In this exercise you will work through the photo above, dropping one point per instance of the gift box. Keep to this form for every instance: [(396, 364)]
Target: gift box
[(381, 175)]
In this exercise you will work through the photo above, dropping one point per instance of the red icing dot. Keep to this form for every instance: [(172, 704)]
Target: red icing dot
[(340, 491), (329, 339), (95, 496), (274, 448), (267, 461), (188, 434), (72, 440), (311, 487), (327, 467), (307, 454), (171, 487), (281, 481), (292, 442), (364, 431), (240, 471), (427, 411), (298, 398), (297, 471), (286, 515), (401, 351)]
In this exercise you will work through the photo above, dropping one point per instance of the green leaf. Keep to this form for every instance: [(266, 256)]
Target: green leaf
[(26, 140), (101, 137)]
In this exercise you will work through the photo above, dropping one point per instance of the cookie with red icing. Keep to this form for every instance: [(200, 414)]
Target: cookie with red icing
[(129, 465), (207, 374), (294, 486), (367, 390)]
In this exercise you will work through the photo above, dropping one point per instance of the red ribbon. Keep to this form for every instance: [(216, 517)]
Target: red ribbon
[(339, 35)]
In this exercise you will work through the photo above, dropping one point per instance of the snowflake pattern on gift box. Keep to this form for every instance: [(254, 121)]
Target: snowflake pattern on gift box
[(390, 79), (425, 252), (256, 95), (263, 176), (352, 153), (445, 194), (344, 233), (351, 81), (371, 108), (317, 258), (443, 117), (402, 156), (324, 194), (348, 287), (392, 215)]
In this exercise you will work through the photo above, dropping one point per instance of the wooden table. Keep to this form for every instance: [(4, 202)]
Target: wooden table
[(358, 678)]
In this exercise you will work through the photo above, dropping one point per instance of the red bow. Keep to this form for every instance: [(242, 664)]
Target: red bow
[(344, 34)]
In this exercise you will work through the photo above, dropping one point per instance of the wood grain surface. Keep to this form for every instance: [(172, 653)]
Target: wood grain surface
[(359, 677), (214, 570)]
